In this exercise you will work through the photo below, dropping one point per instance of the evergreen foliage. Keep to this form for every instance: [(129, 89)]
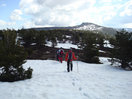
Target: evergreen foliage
[(89, 41), (90, 51), (53, 38), (39, 38), (100, 40), (76, 36), (12, 56), (122, 51), (27, 36)]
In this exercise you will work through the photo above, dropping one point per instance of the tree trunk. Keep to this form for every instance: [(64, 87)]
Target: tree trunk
[(124, 64)]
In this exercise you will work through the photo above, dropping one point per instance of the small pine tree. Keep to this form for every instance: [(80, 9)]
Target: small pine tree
[(27, 36), (53, 38), (122, 51), (12, 56), (40, 38), (90, 51)]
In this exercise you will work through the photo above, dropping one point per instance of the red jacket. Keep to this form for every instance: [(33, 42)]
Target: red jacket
[(73, 56)]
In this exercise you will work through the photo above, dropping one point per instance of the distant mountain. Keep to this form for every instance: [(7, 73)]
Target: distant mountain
[(127, 29), (88, 26), (95, 27), (52, 28), (85, 26)]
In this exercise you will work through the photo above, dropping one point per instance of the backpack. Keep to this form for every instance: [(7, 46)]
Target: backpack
[(58, 52), (69, 55), (61, 52)]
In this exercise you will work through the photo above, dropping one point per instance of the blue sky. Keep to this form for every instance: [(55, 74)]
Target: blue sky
[(6, 7), (17, 14)]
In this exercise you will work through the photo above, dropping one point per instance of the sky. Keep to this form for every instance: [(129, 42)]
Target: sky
[(17, 14)]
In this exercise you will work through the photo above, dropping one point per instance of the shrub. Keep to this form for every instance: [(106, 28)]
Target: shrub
[(12, 56)]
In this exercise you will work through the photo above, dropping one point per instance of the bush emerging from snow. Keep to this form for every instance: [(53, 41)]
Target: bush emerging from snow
[(12, 56), (14, 74)]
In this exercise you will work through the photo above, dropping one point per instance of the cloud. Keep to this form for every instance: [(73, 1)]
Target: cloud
[(4, 24), (127, 25), (70, 12), (56, 12), (127, 9), (28, 24), (16, 15), (37, 13), (106, 1)]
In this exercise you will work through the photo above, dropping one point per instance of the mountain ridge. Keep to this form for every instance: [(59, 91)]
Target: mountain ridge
[(86, 26)]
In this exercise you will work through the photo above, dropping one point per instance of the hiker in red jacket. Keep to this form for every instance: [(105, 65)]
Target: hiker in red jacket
[(60, 54), (70, 56)]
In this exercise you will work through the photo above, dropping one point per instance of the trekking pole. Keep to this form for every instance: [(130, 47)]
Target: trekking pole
[(77, 65)]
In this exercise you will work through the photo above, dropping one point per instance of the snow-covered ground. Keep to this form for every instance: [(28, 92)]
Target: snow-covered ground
[(88, 27), (66, 45), (52, 81), (107, 44)]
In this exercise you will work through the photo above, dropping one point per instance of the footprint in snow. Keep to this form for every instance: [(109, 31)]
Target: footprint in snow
[(73, 83), (44, 95), (86, 95), (80, 88), (73, 79)]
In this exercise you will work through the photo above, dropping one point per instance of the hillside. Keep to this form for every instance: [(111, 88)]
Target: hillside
[(95, 27), (83, 26)]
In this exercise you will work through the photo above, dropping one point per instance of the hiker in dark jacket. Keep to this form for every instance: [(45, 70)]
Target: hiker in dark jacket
[(70, 56)]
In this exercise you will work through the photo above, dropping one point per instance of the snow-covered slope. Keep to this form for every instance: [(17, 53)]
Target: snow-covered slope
[(52, 81), (95, 27), (88, 26)]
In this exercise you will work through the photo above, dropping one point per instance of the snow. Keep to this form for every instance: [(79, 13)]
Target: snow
[(52, 81), (33, 44), (66, 45), (48, 44), (107, 44), (67, 36), (102, 51), (89, 27)]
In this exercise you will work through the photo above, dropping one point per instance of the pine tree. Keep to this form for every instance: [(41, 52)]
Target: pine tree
[(27, 36), (40, 38), (90, 51), (100, 40), (12, 56), (53, 38), (122, 51)]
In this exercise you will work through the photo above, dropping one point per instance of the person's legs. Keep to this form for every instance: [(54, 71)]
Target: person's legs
[(68, 64), (61, 59), (71, 65), (57, 57)]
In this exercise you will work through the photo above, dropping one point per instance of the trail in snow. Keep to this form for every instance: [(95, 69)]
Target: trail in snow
[(52, 81)]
